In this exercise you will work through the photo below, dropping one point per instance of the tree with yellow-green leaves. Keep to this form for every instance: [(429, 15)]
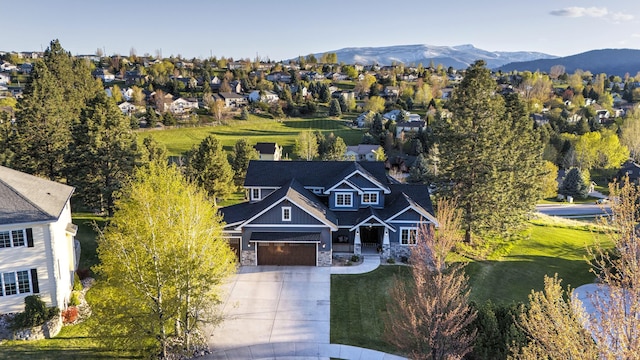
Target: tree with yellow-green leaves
[(162, 258)]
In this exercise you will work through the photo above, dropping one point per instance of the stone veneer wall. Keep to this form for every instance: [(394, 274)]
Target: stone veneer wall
[(46, 331), (248, 257), (324, 258), (398, 251)]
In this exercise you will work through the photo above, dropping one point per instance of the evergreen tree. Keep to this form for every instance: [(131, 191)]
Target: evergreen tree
[(487, 153), (60, 87), (336, 151), (243, 152), (325, 93), (102, 155), (334, 108), (207, 166), (343, 104), (153, 151), (574, 185), (244, 114)]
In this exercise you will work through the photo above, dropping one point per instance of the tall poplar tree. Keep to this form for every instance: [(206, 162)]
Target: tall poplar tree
[(487, 155), (103, 153)]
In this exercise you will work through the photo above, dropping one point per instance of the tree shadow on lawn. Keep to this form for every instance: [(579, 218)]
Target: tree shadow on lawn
[(513, 278), (317, 124)]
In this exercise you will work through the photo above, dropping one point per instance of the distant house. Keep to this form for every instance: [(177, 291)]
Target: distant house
[(266, 96), (4, 79), (25, 68), (362, 119), (232, 99), (269, 151), (38, 251), (8, 67), (409, 126), (391, 92), (127, 108), (539, 119), (279, 76), (181, 106), (134, 76), (104, 75), (362, 152), (631, 169)]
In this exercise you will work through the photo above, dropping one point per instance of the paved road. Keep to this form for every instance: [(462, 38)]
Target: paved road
[(574, 210)]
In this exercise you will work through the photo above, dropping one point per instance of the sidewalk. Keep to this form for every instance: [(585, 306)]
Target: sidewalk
[(369, 263), (310, 351)]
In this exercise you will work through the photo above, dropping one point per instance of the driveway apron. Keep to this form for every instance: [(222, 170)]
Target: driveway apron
[(275, 304)]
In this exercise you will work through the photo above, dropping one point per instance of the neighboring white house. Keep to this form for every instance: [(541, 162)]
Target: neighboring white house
[(103, 74), (181, 106), (269, 151), (38, 252), (127, 108), (4, 78), (266, 96), (362, 152)]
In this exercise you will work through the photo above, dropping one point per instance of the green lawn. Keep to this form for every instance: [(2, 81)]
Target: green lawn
[(358, 301), (256, 129)]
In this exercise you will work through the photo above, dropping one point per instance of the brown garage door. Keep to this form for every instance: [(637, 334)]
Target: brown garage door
[(270, 253)]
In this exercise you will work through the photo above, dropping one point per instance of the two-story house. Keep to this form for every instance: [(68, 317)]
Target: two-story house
[(38, 252), (301, 212)]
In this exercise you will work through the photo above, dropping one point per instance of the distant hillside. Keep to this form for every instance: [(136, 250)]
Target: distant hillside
[(459, 57), (608, 61)]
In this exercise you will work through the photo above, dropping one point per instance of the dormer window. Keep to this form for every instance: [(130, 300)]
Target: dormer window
[(286, 213), (344, 200), (370, 198), (255, 194)]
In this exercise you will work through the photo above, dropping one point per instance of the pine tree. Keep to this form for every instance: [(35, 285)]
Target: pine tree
[(574, 185), (243, 152), (334, 108), (485, 162), (207, 166), (102, 155)]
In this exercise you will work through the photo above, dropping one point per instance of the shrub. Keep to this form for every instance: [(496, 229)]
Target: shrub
[(391, 261), (83, 273), (355, 258), (404, 259), (70, 315), (77, 285), (35, 313), (75, 299)]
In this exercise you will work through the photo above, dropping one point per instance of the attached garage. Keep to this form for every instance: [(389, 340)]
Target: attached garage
[(286, 248)]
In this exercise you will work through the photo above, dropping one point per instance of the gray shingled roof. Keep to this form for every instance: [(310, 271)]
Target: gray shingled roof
[(25, 198), (310, 173)]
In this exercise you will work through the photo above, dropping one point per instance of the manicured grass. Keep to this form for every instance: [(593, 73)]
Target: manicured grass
[(87, 237), (256, 129), (358, 301), (358, 305)]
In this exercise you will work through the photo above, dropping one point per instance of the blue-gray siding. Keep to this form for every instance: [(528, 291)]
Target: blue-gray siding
[(298, 216)]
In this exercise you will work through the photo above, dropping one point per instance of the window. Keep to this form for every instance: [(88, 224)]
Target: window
[(343, 199), (408, 236), (13, 238), (370, 198), (9, 280), (19, 282), (286, 213), (255, 194)]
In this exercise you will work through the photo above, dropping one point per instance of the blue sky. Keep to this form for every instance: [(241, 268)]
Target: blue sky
[(283, 29)]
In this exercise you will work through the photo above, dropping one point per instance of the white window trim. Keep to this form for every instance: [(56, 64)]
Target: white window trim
[(285, 210), (11, 240), (345, 194), (409, 229), (369, 193), (253, 197)]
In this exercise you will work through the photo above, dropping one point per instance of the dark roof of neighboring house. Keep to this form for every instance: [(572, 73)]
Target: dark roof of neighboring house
[(309, 173), (629, 168), (411, 124), (266, 148), (231, 95), (25, 198)]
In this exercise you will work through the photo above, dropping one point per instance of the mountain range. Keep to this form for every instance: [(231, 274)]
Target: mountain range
[(609, 61), (458, 57)]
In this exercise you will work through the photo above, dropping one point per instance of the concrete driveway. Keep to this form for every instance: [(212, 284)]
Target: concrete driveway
[(275, 304)]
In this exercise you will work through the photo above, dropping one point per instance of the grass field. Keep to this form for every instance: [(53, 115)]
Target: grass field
[(256, 129), (358, 301)]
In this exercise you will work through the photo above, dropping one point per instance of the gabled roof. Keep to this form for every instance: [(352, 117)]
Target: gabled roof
[(244, 213), (353, 168), (25, 198), (406, 197), (266, 148), (309, 173)]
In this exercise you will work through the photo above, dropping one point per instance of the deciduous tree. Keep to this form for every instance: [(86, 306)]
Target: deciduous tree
[(306, 146), (429, 316), (375, 104), (162, 259)]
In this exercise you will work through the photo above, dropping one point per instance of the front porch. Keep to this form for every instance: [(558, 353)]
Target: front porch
[(362, 240)]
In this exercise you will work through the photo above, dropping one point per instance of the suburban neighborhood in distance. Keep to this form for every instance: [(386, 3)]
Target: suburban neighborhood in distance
[(457, 207)]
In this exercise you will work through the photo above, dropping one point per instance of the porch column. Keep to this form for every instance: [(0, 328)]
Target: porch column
[(357, 245), (386, 247)]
